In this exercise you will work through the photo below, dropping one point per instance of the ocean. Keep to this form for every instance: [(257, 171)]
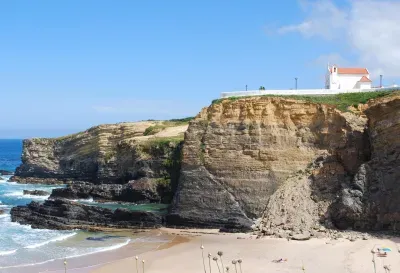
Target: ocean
[(22, 247)]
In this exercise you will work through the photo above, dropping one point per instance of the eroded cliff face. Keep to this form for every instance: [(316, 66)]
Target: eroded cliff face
[(371, 200), (296, 167), (237, 154), (115, 153)]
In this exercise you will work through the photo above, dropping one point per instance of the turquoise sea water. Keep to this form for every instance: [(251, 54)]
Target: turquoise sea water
[(20, 245)]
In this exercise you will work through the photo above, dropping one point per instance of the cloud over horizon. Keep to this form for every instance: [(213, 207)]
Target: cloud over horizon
[(370, 29)]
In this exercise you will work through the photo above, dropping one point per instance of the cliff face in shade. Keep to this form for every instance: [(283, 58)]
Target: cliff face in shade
[(372, 198), (114, 153), (237, 154)]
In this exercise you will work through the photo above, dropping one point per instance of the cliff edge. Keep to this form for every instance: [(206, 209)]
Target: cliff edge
[(292, 164), (112, 153)]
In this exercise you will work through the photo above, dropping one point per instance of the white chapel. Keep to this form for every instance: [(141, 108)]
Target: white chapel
[(347, 78)]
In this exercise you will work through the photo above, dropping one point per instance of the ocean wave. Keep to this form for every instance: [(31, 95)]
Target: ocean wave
[(5, 253), (89, 200), (21, 195), (36, 196), (14, 193), (104, 249), (60, 238), (4, 216), (5, 178)]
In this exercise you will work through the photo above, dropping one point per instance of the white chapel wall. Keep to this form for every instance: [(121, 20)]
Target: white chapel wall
[(348, 81)]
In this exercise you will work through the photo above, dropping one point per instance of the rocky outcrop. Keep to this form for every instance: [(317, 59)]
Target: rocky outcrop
[(370, 200), (113, 154), (239, 156), (4, 172), (140, 191), (36, 192), (63, 214), (2, 211)]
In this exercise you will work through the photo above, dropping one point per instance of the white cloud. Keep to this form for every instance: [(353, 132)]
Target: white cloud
[(324, 19), (371, 29), (333, 58)]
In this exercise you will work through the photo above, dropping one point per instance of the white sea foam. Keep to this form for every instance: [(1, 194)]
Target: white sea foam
[(104, 249), (14, 193), (36, 196), (89, 200), (4, 216), (21, 195), (5, 253), (61, 238)]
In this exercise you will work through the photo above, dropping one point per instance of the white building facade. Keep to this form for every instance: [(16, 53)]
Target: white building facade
[(347, 78)]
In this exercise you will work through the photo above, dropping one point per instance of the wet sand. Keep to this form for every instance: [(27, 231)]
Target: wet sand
[(145, 241)]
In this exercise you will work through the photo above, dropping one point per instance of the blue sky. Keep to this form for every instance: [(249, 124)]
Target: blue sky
[(69, 65)]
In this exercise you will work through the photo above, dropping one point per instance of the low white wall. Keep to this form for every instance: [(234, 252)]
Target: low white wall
[(302, 92)]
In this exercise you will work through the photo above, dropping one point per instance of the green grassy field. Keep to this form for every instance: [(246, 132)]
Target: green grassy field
[(341, 101)]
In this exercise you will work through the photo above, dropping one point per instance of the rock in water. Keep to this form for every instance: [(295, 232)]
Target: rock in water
[(4, 172), (2, 211), (36, 192), (63, 214)]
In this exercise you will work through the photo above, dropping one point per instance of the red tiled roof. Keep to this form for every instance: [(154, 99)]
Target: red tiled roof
[(354, 70), (364, 79)]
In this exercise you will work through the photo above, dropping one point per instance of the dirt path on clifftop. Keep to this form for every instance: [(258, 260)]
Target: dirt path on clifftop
[(172, 131)]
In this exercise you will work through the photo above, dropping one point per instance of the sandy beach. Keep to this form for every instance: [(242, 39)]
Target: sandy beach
[(183, 254)]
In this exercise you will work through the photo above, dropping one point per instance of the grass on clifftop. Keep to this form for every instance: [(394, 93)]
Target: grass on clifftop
[(152, 130), (341, 101), (158, 145)]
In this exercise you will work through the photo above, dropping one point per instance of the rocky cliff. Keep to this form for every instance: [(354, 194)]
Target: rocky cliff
[(282, 166), (296, 164), (115, 153), (370, 200)]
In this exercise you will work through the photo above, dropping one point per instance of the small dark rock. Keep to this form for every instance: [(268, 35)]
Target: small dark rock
[(4, 172), (301, 237), (36, 192)]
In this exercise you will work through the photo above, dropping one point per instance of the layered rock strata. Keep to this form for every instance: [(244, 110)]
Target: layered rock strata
[(113, 153), (239, 159), (284, 167)]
